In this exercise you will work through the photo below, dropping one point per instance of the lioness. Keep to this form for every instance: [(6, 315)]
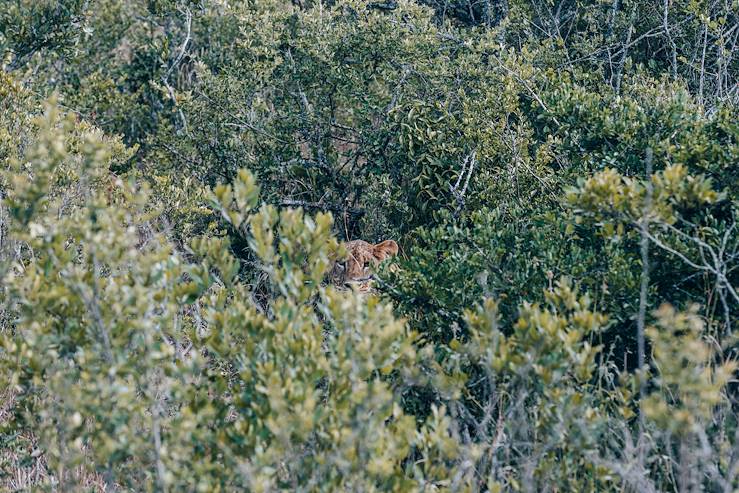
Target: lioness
[(360, 256)]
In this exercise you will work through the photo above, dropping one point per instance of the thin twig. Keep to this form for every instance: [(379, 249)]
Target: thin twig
[(643, 290), (175, 64)]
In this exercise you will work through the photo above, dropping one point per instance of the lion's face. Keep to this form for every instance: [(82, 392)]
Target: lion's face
[(362, 256)]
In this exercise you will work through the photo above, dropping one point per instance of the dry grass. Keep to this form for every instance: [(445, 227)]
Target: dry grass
[(18, 473)]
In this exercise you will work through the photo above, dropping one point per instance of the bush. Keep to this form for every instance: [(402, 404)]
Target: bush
[(561, 181)]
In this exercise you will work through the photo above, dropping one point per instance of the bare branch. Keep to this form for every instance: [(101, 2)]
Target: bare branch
[(176, 63)]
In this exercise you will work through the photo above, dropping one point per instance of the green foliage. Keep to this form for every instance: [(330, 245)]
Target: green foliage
[(561, 179), (542, 379), (688, 388), (27, 27), (95, 355)]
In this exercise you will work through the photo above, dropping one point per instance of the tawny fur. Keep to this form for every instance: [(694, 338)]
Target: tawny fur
[(362, 255)]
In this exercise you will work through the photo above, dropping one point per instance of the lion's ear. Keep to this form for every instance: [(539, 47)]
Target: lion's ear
[(387, 248)]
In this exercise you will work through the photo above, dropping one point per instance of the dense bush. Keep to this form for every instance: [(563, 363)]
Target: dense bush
[(562, 180)]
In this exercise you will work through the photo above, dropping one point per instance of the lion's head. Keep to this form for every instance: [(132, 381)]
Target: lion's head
[(361, 257)]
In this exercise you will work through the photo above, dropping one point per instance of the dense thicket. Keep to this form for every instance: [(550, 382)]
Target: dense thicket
[(561, 176)]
